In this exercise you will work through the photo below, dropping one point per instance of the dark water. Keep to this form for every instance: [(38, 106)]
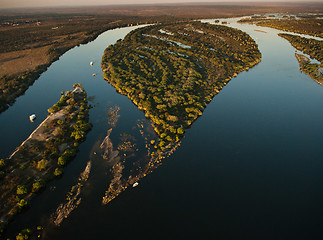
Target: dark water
[(249, 168)]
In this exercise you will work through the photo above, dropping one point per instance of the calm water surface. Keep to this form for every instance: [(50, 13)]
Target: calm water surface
[(250, 167)]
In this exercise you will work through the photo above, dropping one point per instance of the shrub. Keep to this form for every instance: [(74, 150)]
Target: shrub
[(42, 164), (2, 163), (21, 189), (58, 171), (180, 130), (61, 160), (38, 185), (22, 203), (24, 234)]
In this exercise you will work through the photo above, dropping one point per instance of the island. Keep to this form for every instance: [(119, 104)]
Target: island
[(309, 24), (44, 154), (311, 47), (172, 71)]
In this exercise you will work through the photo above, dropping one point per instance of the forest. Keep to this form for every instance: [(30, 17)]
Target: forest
[(309, 26), (303, 24), (172, 71)]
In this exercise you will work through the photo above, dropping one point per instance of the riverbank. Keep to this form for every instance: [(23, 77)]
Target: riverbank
[(43, 155)]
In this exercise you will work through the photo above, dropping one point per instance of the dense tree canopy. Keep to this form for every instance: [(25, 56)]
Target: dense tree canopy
[(171, 71)]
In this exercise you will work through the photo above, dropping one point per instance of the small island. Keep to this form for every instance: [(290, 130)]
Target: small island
[(302, 24), (44, 154), (311, 47)]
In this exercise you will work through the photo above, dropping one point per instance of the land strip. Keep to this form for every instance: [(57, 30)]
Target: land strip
[(302, 24), (44, 154)]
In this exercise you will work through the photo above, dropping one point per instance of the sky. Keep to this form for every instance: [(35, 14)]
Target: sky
[(49, 3)]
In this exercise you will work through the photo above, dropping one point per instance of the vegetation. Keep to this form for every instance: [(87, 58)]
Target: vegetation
[(24, 234), (311, 47), (305, 25), (45, 153), (36, 34), (309, 26), (172, 71), (32, 39)]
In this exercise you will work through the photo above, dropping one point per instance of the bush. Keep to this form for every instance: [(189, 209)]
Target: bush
[(21, 189), (180, 130), (61, 160), (22, 203), (42, 164), (54, 108), (58, 171), (24, 234), (38, 185), (2, 163)]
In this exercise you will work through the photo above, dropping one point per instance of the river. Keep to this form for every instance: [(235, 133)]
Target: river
[(250, 167)]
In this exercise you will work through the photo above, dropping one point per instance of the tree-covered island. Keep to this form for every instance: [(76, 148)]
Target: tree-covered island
[(172, 71), (302, 24), (311, 47), (44, 153)]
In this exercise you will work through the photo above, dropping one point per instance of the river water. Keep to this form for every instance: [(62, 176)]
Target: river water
[(250, 167)]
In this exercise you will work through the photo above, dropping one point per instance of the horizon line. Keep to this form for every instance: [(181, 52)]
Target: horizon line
[(169, 4)]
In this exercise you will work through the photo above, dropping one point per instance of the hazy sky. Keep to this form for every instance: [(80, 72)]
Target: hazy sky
[(46, 3)]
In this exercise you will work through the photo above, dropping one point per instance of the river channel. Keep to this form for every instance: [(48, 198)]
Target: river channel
[(250, 167)]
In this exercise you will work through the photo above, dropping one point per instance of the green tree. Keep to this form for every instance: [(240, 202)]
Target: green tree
[(42, 164), (24, 234), (58, 171), (180, 130), (21, 189), (62, 160), (2, 163), (22, 203), (38, 185)]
